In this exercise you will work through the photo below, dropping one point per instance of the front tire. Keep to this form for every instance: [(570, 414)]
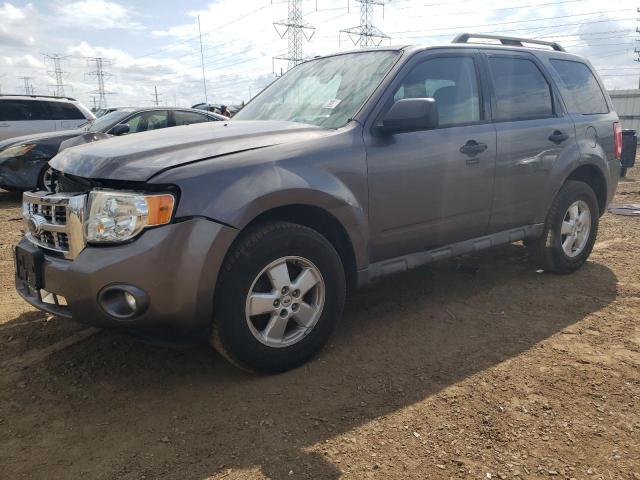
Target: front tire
[(279, 298), (570, 229)]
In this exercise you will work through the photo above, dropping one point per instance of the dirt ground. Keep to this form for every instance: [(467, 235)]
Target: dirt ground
[(438, 373)]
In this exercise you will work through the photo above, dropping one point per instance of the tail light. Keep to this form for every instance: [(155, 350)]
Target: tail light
[(617, 136)]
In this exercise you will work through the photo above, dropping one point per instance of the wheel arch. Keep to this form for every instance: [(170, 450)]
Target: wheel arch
[(594, 177), (320, 220)]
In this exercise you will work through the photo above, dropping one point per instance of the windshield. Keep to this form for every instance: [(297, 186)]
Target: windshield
[(107, 121), (326, 92)]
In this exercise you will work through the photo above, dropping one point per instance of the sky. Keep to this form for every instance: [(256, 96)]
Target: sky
[(154, 44)]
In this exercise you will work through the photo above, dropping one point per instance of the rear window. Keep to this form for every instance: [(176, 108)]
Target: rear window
[(580, 88), (187, 118), (522, 92), (64, 111), (22, 110)]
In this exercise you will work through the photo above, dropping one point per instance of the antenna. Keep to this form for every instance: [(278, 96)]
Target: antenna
[(295, 28), (100, 75), (204, 79), (28, 86), (57, 73), (366, 34)]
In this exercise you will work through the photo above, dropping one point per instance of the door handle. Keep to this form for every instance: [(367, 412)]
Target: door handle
[(558, 137), (473, 148), (4, 125)]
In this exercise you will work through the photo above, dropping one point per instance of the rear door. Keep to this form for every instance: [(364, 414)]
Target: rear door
[(23, 117), (533, 132), (435, 187)]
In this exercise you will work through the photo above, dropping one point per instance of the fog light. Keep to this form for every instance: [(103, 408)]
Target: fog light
[(123, 302)]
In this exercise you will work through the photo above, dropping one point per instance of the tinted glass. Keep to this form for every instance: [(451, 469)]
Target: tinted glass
[(451, 82), (22, 110), (148, 121), (187, 118), (326, 92), (106, 121), (64, 111), (521, 90), (580, 88)]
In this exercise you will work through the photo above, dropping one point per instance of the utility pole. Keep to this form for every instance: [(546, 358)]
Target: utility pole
[(366, 34), (156, 102), (28, 86), (204, 78), (100, 75), (95, 105), (295, 28), (637, 50), (57, 73)]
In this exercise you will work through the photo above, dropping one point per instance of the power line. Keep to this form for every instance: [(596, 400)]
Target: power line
[(366, 34), (100, 75), (295, 28), (57, 72)]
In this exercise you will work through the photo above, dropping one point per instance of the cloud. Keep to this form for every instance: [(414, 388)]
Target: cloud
[(99, 14), (16, 26)]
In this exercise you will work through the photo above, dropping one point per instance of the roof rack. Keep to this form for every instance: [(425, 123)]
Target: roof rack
[(512, 41), (35, 96)]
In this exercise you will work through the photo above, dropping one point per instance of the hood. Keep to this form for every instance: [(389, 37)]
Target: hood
[(139, 157), (41, 137)]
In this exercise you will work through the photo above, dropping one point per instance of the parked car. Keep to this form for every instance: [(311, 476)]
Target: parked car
[(347, 168), (27, 114), (24, 160), (103, 111)]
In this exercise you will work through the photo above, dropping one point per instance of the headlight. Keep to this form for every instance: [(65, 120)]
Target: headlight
[(17, 150), (118, 216)]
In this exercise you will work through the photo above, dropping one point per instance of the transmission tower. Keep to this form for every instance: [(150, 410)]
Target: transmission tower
[(366, 34), (156, 101), (57, 73), (295, 28), (28, 86), (100, 75)]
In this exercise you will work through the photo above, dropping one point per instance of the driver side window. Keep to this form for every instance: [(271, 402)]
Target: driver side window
[(452, 82)]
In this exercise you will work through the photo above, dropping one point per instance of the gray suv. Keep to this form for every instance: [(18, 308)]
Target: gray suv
[(348, 168)]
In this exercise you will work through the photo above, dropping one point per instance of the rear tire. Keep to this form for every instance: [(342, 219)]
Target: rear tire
[(279, 298), (570, 229)]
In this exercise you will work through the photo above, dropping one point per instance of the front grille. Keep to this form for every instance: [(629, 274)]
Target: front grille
[(54, 221)]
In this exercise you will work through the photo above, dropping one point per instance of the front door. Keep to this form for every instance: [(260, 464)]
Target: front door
[(435, 187)]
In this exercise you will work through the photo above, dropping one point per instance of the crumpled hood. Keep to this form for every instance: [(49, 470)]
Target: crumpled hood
[(39, 137), (140, 156)]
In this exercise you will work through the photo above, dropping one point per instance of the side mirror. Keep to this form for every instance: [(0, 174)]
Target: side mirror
[(120, 129), (411, 115)]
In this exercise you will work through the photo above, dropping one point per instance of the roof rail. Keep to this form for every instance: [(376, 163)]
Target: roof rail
[(35, 96), (513, 41)]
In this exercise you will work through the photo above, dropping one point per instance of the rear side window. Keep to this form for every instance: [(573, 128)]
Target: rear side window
[(21, 110), (522, 92), (187, 118), (580, 88), (64, 111)]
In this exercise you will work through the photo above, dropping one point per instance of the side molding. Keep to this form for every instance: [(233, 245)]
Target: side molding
[(417, 259)]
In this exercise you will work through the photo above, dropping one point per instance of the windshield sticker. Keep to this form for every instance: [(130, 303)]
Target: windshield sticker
[(331, 104)]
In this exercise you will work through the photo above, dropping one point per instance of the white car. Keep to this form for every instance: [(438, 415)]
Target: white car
[(28, 114)]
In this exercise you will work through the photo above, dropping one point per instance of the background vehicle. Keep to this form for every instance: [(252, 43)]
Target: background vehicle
[(23, 160), (27, 114), (347, 168)]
